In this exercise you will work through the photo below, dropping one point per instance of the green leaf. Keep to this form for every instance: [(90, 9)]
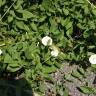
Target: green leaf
[(48, 77), (42, 87), (37, 61), (69, 33), (94, 11), (16, 56), (21, 25), (28, 54), (92, 25), (86, 10), (80, 1), (86, 90), (26, 27), (12, 13), (68, 77), (8, 59), (42, 19), (26, 14), (3, 2), (18, 4), (10, 19), (58, 65), (81, 70), (66, 92), (53, 27), (33, 26), (77, 75), (13, 67), (13, 33), (48, 70), (81, 26), (93, 66), (0, 3), (64, 22), (86, 34), (66, 12), (94, 89), (18, 18), (69, 25)]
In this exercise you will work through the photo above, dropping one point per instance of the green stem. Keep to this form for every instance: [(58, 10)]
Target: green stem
[(91, 3)]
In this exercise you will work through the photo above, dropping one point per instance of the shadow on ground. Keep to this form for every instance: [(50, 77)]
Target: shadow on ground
[(18, 87)]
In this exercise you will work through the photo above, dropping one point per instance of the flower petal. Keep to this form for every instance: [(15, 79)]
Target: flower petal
[(92, 59), (54, 52), (46, 41)]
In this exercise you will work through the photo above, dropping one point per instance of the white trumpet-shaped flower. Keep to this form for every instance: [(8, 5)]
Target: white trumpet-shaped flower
[(92, 59), (46, 41), (54, 52), (1, 52)]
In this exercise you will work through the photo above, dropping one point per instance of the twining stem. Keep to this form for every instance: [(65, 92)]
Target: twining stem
[(46, 60), (91, 4)]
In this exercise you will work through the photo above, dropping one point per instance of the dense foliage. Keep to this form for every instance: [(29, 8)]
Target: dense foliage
[(70, 23)]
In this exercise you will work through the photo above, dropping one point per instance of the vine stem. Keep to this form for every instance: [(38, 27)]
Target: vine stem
[(46, 60), (7, 10), (91, 3)]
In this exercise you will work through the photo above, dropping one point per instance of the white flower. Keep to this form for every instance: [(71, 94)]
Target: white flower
[(1, 52), (46, 41), (54, 52), (36, 94), (92, 59)]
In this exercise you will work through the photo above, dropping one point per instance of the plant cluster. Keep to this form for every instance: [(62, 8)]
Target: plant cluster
[(69, 25)]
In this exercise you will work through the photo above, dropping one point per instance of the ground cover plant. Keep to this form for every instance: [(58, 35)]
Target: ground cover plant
[(38, 36)]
